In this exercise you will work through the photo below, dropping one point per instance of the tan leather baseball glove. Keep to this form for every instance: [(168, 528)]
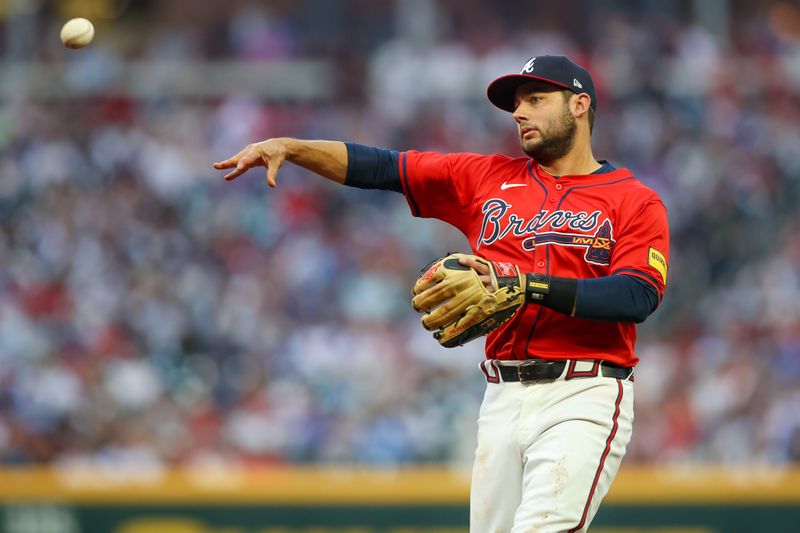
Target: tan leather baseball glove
[(458, 306)]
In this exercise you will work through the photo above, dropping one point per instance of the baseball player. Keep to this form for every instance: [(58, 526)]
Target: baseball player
[(586, 247)]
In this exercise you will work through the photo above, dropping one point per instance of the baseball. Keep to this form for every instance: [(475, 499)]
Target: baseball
[(77, 33)]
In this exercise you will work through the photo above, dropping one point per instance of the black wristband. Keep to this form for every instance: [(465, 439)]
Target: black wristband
[(556, 293)]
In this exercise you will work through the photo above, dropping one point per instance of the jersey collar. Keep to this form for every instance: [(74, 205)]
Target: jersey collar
[(583, 179)]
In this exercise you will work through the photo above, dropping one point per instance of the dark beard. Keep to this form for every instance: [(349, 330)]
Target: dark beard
[(556, 141)]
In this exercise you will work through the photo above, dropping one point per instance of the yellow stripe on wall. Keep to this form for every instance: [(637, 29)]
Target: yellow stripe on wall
[(296, 486), (705, 485), (279, 486)]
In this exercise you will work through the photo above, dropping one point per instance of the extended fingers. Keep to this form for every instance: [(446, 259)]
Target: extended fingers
[(227, 163), (234, 174), (248, 158), (231, 161)]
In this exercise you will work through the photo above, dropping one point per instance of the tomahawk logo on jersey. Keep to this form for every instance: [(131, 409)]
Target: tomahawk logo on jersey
[(585, 226)]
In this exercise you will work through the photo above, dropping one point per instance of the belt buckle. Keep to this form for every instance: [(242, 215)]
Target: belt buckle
[(532, 371), (520, 368), (539, 370)]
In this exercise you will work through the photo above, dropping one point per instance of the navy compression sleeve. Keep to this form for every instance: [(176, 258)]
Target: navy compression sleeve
[(372, 168), (619, 298)]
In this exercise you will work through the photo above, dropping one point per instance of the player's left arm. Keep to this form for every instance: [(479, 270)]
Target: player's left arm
[(617, 298)]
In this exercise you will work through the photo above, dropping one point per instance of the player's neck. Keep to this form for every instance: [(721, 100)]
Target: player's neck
[(579, 161)]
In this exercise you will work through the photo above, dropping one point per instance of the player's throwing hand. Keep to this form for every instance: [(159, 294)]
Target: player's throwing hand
[(326, 158), (269, 154)]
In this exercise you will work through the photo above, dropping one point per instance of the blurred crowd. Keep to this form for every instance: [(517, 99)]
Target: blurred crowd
[(152, 315)]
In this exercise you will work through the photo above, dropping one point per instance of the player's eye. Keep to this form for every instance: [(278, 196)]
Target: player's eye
[(530, 99)]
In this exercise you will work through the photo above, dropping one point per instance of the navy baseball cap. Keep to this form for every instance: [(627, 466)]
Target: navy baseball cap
[(557, 70)]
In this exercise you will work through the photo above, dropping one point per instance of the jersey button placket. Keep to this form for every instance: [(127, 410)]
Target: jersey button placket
[(554, 195), (554, 198)]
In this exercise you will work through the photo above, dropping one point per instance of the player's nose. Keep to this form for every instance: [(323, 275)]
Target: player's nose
[(519, 115)]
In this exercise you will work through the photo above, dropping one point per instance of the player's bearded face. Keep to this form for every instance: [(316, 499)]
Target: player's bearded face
[(555, 139)]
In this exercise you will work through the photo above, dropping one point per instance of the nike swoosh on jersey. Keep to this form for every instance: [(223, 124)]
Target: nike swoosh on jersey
[(505, 185)]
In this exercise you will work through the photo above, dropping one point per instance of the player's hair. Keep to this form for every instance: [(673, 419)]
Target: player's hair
[(566, 94)]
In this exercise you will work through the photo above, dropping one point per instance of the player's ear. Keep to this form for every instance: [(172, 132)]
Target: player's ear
[(580, 104)]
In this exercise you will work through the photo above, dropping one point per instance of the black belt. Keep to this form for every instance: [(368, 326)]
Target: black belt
[(542, 370)]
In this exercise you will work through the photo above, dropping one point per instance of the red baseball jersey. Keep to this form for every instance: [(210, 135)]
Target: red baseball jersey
[(582, 226)]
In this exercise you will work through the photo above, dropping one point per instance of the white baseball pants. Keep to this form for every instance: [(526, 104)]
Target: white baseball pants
[(547, 452)]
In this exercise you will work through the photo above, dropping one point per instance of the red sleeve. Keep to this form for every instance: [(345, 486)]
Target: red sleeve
[(642, 246), (442, 186)]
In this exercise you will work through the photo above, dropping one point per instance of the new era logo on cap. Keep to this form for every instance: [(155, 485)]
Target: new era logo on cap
[(557, 70)]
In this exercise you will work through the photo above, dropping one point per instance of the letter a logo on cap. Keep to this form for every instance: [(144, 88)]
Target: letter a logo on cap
[(528, 66)]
